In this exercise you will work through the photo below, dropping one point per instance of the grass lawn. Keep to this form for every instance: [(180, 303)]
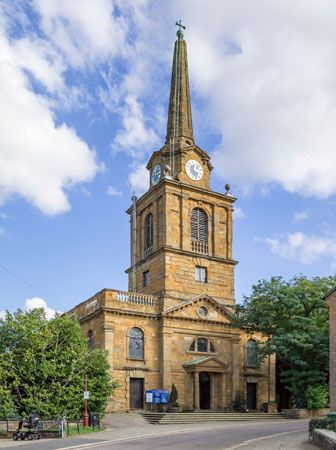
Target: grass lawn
[(73, 430), (3, 434)]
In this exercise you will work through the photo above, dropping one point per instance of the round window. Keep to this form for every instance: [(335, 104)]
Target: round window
[(202, 311)]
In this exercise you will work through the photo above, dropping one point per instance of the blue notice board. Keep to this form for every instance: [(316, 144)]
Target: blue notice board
[(157, 396), (164, 397)]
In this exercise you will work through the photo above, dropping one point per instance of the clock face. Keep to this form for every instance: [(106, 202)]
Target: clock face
[(156, 174), (194, 169)]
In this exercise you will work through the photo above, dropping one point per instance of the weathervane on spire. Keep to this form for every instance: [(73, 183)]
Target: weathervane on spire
[(179, 32)]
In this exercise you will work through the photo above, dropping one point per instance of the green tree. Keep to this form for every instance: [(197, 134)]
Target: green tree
[(239, 402), (174, 396), (317, 396), (293, 316), (43, 363)]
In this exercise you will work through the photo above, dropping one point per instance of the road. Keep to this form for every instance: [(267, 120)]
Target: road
[(279, 435)]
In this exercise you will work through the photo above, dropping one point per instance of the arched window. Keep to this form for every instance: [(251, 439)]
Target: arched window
[(251, 353), (199, 230), (202, 345), (148, 237), (136, 344), (90, 340)]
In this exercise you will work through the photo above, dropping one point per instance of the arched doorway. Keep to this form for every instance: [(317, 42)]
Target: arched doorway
[(204, 380)]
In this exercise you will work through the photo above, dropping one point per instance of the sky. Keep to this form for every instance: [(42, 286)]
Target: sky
[(84, 88)]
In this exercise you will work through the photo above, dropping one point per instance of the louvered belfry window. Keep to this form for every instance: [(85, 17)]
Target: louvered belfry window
[(199, 226), (148, 232)]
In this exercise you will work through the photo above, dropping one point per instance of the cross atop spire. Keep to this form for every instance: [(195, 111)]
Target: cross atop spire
[(179, 32), (179, 126)]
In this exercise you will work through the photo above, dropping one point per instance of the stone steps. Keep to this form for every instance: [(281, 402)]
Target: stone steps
[(197, 417)]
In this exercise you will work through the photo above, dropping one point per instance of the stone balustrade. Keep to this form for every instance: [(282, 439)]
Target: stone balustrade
[(199, 247), (137, 299), (111, 298), (148, 251)]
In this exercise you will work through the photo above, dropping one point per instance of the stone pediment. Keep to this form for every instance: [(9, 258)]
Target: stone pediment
[(164, 151), (206, 362), (194, 309)]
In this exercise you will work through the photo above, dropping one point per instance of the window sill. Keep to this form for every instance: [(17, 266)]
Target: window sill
[(136, 359), (202, 353)]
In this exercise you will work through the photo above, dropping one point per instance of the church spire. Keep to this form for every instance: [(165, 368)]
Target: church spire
[(179, 126)]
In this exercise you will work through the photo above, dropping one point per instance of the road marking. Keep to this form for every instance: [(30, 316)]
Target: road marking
[(250, 441), (112, 441), (167, 433)]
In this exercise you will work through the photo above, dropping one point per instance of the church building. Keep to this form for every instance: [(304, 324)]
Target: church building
[(172, 325)]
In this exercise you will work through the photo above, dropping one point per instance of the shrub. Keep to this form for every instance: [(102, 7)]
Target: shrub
[(324, 423), (174, 396), (239, 402), (317, 397)]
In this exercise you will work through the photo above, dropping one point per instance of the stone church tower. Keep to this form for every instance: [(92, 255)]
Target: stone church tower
[(172, 325), (181, 226)]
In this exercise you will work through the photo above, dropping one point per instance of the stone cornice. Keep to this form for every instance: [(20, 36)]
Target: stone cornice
[(178, 184), (129, 312), (168, 248)]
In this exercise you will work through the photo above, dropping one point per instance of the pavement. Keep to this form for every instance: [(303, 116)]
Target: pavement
[(129, 431)]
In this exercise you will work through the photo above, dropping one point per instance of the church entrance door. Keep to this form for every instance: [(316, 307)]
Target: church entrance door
[(251, 390), (204, 380), (136, 393)]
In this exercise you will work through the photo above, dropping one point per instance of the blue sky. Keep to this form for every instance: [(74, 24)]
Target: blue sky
[(83, 99)]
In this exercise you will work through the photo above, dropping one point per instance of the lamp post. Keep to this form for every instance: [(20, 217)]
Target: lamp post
[(86, 396)]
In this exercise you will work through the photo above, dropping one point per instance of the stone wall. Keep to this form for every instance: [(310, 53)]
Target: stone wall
[(111, 314), (331, 301), (172, 260)]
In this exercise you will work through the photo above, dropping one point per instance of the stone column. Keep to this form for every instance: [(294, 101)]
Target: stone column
[(213, 387), (184, 237), (214, 230), (235, 368), (229, 233), (197, 392), (106, 342), (223, 390), (166, 357)]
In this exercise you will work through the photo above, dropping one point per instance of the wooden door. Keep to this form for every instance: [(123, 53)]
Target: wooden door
[(136, 393)]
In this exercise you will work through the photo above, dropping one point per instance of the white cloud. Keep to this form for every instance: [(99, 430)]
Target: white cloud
[(266, 71), (112, 191), (37, 302), (300, 216), (300, 247), (2, 231), (238, 213), (68, 38), (135, 138), (267, 81), (139, 179), (82, 30), (39, 159)]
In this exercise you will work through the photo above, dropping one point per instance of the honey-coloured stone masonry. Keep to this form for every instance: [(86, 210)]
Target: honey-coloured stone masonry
[(173, 326)]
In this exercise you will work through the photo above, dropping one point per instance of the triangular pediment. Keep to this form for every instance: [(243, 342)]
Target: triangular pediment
[(208, 362), (202, 308), (201, 153)]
